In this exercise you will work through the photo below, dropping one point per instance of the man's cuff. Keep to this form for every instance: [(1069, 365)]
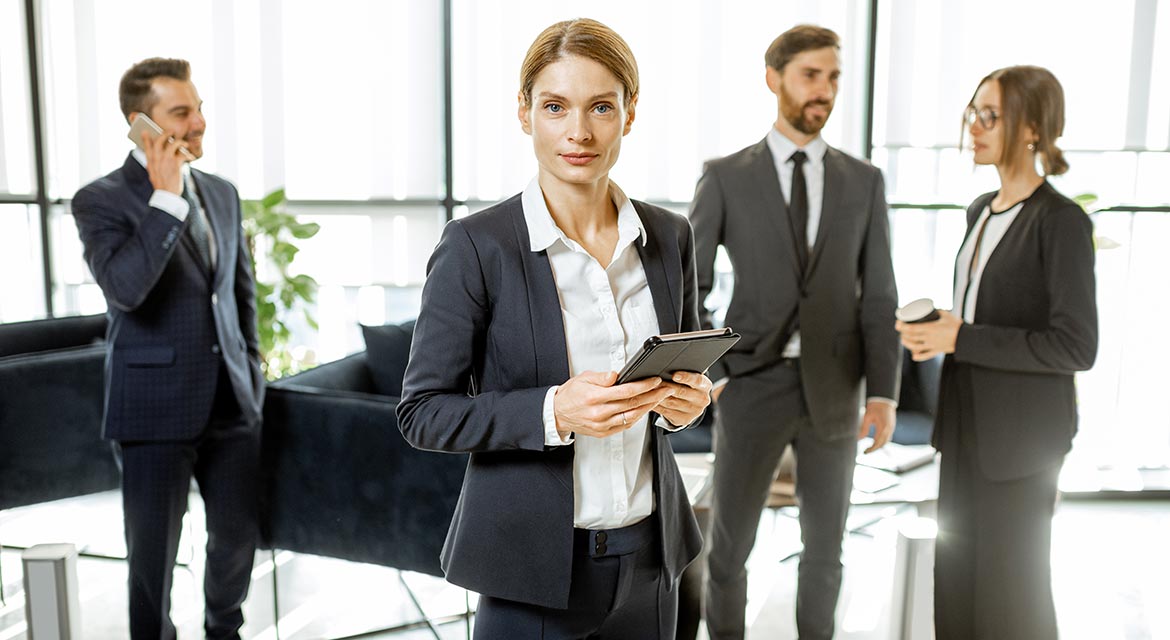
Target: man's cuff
[(170, 203), (552, 437), (892, 403)]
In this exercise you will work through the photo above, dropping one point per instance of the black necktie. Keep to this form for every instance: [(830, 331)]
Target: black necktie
[(197, 225), (798, 209)]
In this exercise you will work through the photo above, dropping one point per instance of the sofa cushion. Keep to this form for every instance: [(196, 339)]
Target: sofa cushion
[(387, 350)]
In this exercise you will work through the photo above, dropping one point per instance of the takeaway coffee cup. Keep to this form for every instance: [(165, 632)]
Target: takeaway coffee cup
[(920, 310)]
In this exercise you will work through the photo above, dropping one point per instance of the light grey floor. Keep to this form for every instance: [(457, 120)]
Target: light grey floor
[(1110, 558)]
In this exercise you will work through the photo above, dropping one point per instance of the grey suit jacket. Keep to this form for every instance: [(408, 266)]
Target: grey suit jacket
[(846, 300), (488, 344), (171, 322)]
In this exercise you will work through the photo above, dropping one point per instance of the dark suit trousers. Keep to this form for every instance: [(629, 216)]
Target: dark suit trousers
[(156, 479), (619, 592), (992, 568), (758, 416)]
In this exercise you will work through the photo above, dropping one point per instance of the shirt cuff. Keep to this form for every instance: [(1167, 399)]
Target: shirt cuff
[(552, 438), (665, 424), (170, 203), (892, 403)]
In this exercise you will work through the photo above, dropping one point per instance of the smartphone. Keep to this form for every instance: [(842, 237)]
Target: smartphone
[(142, 124)]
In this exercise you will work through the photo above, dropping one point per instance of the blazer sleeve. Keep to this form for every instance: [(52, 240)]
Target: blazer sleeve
[(126, 259), (879, 300), (1069, 342), (440, 408), (707, 215), (245, 287), (690, 308)]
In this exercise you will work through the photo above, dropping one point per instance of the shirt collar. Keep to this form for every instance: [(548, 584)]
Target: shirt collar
[(543, 231), (140, 156), (782, 148)]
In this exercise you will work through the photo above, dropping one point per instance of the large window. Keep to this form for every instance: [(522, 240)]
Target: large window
[(336, 101), (16, 144), (341, 103), (702, 86)]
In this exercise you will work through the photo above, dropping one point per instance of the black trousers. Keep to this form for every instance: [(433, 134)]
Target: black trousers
[(619, 592), (992, 567), (156, 479), (758, 416)]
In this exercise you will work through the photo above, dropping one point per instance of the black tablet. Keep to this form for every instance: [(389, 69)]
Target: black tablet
[(663, 355)]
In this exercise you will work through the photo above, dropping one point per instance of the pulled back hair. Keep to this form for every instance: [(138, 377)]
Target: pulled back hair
[(798, 39), (585, 38), (1031, 96), (135, 92)]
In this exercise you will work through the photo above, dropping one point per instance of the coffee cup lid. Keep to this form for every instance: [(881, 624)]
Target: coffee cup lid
[(915, 310)]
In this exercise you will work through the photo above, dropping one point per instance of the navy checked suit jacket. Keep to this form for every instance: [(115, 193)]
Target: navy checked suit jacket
[(171, 321), (488, 344)]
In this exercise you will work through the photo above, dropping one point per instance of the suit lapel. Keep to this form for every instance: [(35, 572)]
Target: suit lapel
[(830, 205), (772, 199), (663, 289), (139, 181), (544, 308), (218, 214), (137, 178)]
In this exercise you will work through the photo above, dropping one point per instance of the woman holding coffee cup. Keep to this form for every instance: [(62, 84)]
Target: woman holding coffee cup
[(1024, 321)]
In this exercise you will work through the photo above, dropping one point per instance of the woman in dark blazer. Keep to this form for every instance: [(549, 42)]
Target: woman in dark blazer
[(1024, 321), (573, 520)]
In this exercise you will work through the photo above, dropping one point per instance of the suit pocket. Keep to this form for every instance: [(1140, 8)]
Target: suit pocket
[(147, 357)]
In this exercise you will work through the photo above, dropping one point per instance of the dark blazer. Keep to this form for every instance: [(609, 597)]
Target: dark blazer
[(171, 322), (488, 344), (846, 300), (1035, 325)]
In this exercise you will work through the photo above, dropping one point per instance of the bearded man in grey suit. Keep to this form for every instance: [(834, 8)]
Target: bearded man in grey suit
[(806, 229)]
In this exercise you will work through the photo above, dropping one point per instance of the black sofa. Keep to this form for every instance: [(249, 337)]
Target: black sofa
[(51, 400), (340, 480)]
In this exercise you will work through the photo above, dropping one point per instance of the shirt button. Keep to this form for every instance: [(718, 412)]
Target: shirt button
[(215, 349), (215, 298)]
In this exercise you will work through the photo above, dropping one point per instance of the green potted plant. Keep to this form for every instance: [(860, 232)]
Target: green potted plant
[(273, 233), (1088, 202)]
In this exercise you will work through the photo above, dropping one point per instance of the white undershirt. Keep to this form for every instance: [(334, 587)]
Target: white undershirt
[(967, 284), (608, 314)]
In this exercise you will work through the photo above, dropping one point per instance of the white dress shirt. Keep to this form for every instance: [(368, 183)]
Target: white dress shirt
[(608, 314), (968, 276), (814, 179)]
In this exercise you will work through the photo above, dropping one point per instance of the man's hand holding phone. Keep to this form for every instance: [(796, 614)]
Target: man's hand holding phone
[(165, 155)]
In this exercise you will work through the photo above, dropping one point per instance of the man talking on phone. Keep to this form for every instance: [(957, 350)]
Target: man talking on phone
[(182, 376)]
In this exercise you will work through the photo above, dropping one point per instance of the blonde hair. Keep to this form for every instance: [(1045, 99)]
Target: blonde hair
[(588, 39)]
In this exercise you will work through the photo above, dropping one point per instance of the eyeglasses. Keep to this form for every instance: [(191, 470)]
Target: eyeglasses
[(985, 116)]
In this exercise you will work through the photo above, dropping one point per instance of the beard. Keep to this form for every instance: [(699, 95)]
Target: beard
[(795, 114)]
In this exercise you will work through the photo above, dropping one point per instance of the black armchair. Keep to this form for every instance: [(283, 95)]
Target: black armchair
[(51, 399), (340, 479)]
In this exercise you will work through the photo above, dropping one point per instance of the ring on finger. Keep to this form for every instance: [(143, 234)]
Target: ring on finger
[(624, 418)]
